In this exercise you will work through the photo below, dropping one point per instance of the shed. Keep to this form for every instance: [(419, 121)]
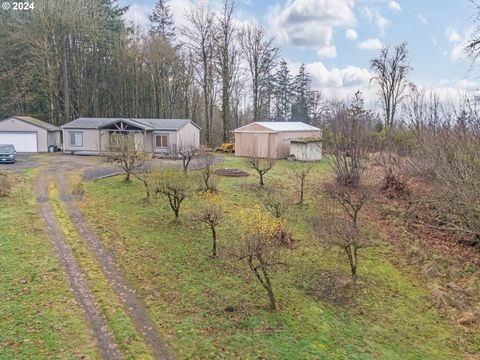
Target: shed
[(306, 149), (270, 139), (28, 134)]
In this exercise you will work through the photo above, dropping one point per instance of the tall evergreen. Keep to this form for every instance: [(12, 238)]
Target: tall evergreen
[(282, 93), (162, 20), (301, 88)]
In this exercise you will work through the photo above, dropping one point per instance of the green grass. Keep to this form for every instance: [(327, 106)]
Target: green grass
[(186, 291), (39, 317), (129, 341)]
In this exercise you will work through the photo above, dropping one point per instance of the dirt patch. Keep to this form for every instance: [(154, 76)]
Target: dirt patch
[(231, 172), (334, 287)]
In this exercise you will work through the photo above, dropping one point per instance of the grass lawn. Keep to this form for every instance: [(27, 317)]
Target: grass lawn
[(187, 292), (39, 318)]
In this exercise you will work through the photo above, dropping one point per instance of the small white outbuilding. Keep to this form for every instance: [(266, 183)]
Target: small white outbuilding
[(306, 149)]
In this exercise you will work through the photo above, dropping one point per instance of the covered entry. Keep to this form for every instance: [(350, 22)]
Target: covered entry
[(114, 134)]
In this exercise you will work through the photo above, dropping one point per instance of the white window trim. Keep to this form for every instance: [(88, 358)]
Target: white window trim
[(161, 134), (70, 139)]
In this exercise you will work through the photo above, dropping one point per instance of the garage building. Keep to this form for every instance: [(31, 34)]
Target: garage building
[(28, 134), (270, 139)]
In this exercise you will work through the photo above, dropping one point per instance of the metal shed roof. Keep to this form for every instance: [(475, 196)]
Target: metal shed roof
[(147, 124), (280, 126)]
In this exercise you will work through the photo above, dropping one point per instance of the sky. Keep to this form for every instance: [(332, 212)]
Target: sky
[(335, 39)]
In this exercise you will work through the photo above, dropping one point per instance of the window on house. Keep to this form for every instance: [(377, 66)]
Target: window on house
[(161, 140), (76, 138)]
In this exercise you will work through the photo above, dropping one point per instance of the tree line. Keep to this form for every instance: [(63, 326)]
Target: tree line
[(72, 58)]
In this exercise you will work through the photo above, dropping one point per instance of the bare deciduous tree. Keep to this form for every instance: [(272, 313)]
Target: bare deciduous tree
[(210, 212), (276, 200), (300, 170), (125, 152), (349, 141), (201, 34), (445, 157), (344, 228), (390, 71), (209, 180), (261, 56), (175, 185), (260, 165), (227, 63), (259, 246)]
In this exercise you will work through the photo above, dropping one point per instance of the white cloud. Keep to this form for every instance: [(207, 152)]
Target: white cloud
[(329, 51), (459, 42), (395, 6), (376, 18), (341, 83), (138, 15), (351, 34), (370, 44), (422, 19), (452, 35), (310, 23)]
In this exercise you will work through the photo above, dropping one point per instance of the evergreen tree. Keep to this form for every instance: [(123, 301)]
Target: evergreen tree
[(282, 92), (162, 20), (302, 92)]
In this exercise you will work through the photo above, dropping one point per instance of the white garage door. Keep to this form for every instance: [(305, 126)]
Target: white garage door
[(23, 141)]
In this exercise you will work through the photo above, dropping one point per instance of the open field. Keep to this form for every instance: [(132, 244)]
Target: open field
[(187, 292)]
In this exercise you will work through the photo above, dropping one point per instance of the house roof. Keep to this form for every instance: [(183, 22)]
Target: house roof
[(36, 122), (146, 124), (280, 126)]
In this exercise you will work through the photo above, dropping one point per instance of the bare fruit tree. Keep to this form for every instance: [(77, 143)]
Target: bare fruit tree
[(259, 246), (187, 153), (211, 213), (260, 165), (209, 180), (125, 152), (175, 185), (300, 171), (344, 228)]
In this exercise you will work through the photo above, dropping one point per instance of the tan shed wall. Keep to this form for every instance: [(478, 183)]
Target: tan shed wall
[(13, 124), (273, 145)]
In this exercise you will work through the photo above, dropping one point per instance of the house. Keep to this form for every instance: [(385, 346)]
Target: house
[(158, 136), (306, 149), (270, 139), (28, 134)]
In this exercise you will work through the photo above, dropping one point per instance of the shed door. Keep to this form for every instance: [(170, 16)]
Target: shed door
[(23, 141)]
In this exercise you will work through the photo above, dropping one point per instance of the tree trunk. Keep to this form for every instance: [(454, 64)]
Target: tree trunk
[(302, 187), (66, 85), (214, 241)]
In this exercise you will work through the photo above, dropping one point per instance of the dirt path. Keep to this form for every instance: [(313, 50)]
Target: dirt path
[(131, 304), (75, 276)]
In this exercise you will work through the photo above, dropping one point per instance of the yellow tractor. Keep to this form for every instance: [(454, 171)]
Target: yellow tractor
[(226, 148)]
